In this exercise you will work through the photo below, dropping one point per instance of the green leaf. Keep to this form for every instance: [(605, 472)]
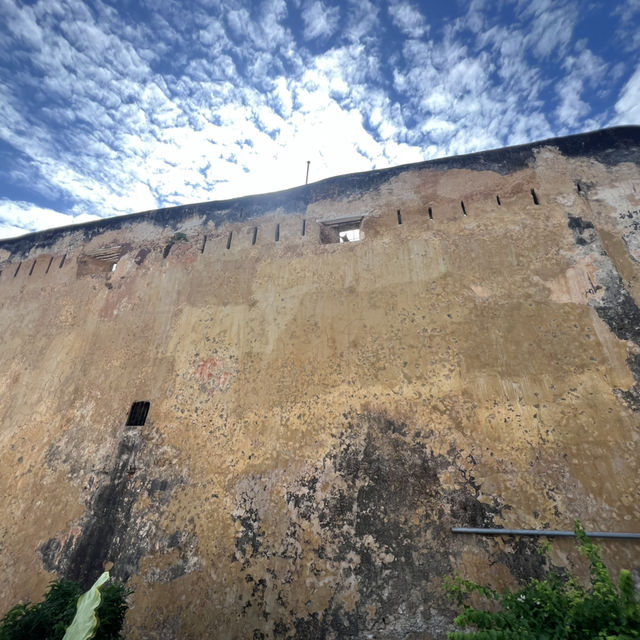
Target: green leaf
[(85, 623)]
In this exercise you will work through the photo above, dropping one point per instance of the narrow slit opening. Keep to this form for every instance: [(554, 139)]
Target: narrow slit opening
[(464, 209), (498, 201), (64, 257), (277, 233), (49, 265), (33, 266), (304, 227), (229, 239), (399, 217), (534, 195), (430, 213), (18, 269), (579, 187), (255, 236), (204, 244)]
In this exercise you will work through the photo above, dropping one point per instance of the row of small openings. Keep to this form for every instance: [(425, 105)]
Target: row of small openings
[(333, 231), (254, 237), (347, 229), (33, 266), (463, 207)]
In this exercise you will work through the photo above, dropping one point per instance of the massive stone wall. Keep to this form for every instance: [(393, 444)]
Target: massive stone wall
[(321, 415)]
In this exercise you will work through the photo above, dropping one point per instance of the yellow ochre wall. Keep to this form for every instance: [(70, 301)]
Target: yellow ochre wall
[(321, 415)]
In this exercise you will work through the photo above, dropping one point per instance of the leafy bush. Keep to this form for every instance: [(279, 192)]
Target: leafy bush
[(48, 620), (556, 608)]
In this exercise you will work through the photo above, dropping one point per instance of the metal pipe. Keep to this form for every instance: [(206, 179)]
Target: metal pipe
[(543, 532)]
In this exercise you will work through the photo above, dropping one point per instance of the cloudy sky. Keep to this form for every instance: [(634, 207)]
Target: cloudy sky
[(118, 107)]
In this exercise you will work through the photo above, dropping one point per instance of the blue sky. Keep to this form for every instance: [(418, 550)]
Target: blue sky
[(113, 108)]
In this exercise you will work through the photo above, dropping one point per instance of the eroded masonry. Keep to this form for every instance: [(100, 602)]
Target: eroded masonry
[(268, 413)]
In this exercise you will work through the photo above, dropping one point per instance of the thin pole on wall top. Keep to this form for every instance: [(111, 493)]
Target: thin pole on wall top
[(307, 178)]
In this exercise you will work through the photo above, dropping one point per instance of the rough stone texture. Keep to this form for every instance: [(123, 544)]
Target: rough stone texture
[(323, 414)]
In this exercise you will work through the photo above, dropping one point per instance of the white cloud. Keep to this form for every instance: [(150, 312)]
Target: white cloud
[(628, 104), (17, 218), (551, 25), (408, 18), (584, 69), (362, 23), (320, 21), (628, 34)]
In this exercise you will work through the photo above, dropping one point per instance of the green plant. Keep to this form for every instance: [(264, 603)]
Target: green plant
[(556, 608), (49, 619), (85, 622)]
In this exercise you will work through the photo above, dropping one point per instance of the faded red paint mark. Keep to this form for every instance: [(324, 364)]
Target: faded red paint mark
[(183, 253), (215, 372)]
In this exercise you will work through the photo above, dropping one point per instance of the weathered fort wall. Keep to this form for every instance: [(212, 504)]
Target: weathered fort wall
[(321, 415)]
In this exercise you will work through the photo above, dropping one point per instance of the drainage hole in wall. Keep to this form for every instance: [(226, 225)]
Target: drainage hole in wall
[(138, 413)]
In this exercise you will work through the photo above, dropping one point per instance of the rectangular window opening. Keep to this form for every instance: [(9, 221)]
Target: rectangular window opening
[(304, 227), (277, 237), (341, 230), (534, 195), (138, 414), (464, 209), (255, 236), (399, 217), (430, 213)]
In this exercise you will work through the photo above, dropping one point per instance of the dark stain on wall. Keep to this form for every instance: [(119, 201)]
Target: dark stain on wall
[(632, 396), (615, 305), (384, 521), (112, 531)]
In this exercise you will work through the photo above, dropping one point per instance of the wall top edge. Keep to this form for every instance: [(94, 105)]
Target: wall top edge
[(609, 146)]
